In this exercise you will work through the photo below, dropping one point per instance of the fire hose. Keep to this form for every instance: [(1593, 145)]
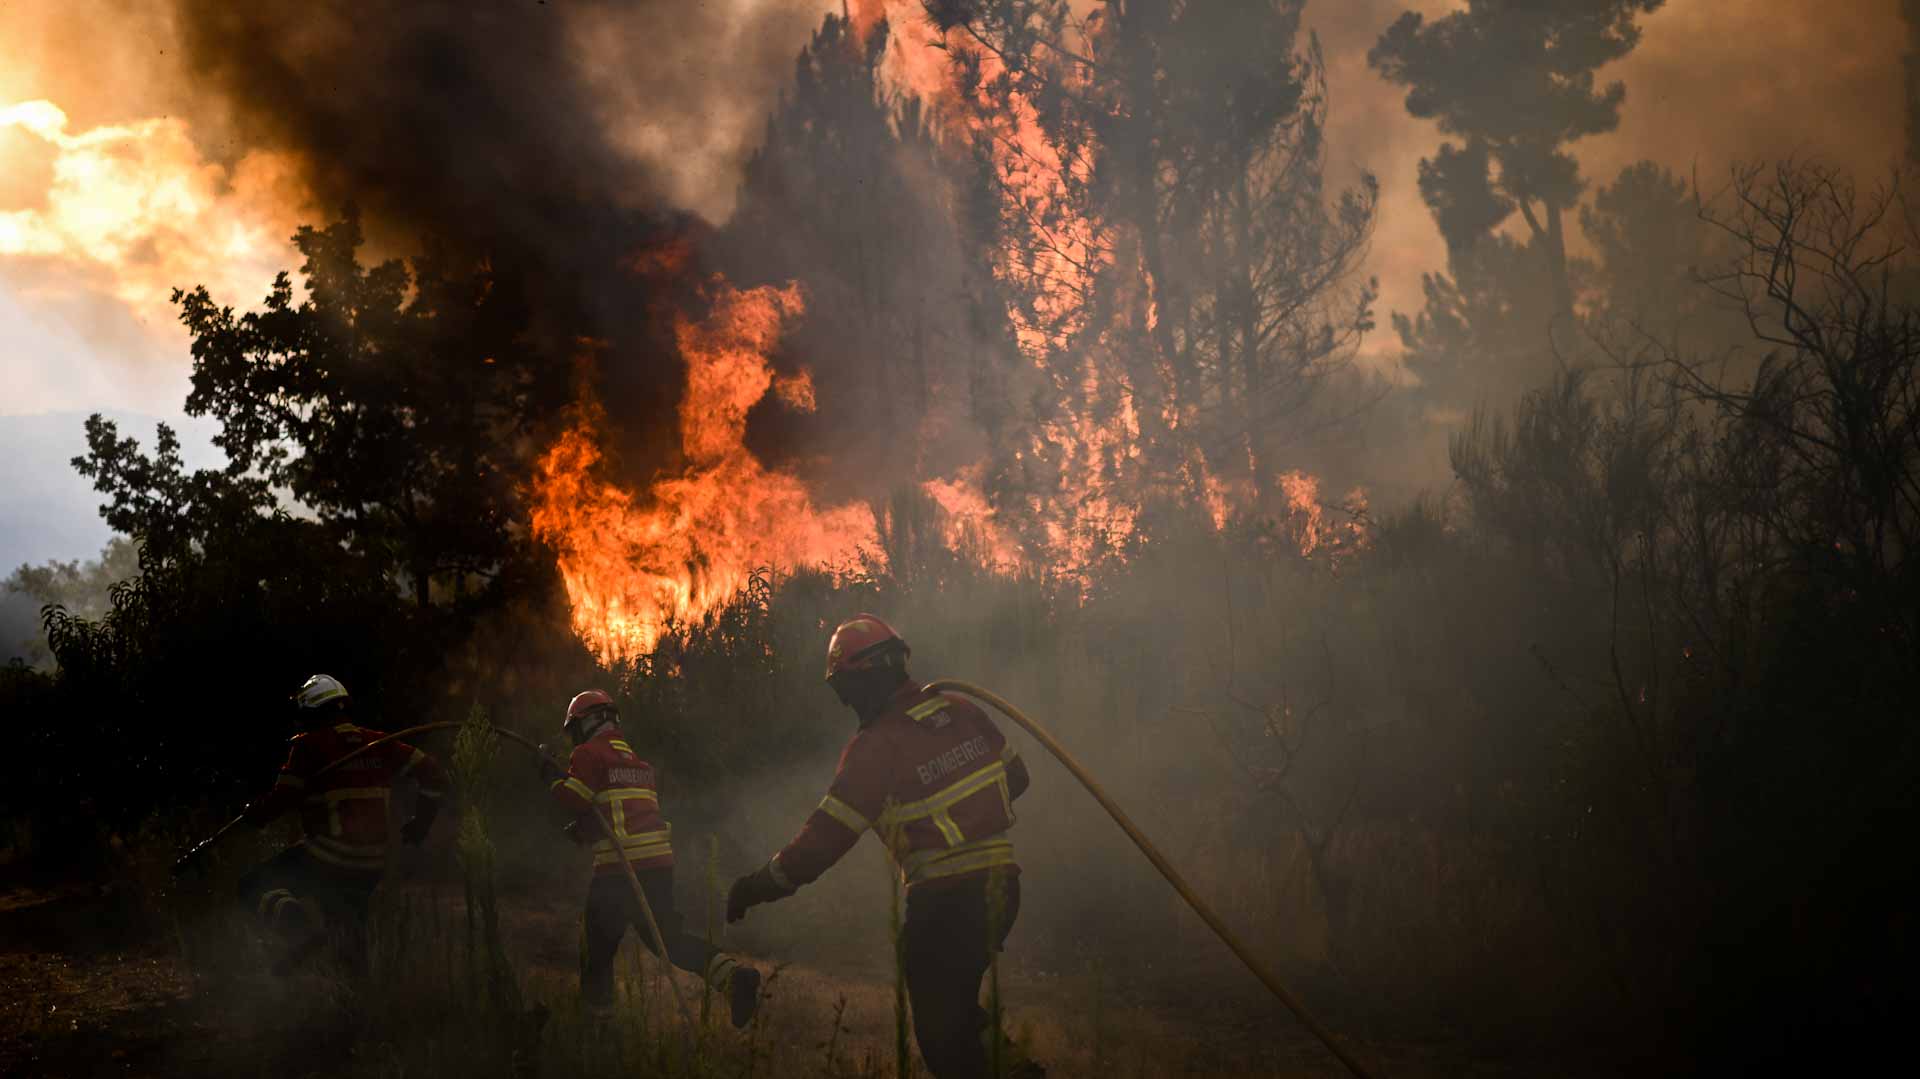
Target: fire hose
[(1173, 877), (599, 817)]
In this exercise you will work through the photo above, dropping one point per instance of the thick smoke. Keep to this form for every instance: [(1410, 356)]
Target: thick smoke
[(556, 140), (1708, 85)]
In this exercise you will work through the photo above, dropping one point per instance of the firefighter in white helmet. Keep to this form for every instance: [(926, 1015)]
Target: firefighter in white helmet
[(322, 883)]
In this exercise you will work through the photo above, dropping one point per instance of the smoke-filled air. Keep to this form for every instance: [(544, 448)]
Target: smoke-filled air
[(1318, 538)]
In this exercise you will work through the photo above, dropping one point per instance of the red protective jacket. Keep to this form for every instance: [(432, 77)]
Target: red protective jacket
[(604, 772), (934, 778), (343, 814)]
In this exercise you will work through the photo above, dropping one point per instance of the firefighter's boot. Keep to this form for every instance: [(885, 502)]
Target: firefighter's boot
[(743, 994), (297, 923), (1014, 1061)]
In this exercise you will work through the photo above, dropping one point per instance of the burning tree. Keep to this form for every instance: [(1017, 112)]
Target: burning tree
[(1176, 271)]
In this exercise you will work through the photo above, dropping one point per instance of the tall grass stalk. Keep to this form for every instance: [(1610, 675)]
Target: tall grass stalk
[(896, 927), (493, 982)]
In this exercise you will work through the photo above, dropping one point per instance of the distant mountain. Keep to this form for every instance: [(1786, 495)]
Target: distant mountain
[(49, 511)]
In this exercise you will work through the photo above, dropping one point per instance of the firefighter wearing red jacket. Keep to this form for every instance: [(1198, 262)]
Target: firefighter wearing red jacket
[(323, 882), (605, 775), (931, 775)]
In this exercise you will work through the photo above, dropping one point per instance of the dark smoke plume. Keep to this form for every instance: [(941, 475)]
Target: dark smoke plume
[(506, 131)]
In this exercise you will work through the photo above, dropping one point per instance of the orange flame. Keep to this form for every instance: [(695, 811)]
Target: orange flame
[(968, 521), (633, 567), (1316, 531), (636, 566)]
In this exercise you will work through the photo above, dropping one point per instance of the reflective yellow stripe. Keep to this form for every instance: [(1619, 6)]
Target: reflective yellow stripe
[(938, 807), (287, 780), (620, 744), (577, 787), (926, 708), (342, 794), (630, 843), (634, 848), (612, 794), (947, 799), (845, 814), (655, 846), (616, 798), (332, 799), (994, 850), (948, 829)]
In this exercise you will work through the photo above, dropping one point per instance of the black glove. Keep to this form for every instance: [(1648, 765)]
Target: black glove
[(415, 830), (752, 890), (579, 831), (550, 769)]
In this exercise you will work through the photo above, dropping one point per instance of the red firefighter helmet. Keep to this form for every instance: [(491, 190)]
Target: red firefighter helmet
[(584, 707), (861, 643)]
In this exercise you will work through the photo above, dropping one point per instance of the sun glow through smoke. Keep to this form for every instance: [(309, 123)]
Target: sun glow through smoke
[(135, 211)]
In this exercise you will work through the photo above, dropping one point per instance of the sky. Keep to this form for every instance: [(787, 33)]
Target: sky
[(122, 175)]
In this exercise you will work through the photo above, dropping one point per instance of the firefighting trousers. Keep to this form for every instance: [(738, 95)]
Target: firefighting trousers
[(612, 908), (949, 937), (303, 901)]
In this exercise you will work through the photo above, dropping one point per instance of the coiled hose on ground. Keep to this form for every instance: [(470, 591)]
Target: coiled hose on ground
[(1226, 935)]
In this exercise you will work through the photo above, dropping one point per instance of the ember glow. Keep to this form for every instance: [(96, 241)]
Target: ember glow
[(637, 564)]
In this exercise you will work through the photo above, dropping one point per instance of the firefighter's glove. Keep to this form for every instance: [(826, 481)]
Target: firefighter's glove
[(579, 831), (757, 887), (550, 769)]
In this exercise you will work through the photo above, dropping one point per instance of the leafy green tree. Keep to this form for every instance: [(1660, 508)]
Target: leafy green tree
[(376, 432), (395, 403), (80, 587), (1516, 80)]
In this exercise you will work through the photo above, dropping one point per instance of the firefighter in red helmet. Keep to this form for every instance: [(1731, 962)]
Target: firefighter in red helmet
[(931, 775), (605, 776), (320, 886)]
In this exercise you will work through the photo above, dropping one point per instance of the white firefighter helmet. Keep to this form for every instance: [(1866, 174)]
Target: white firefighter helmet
[(318, 691)]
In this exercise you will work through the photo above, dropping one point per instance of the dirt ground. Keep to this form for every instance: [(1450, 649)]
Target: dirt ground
[(91, 993)]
